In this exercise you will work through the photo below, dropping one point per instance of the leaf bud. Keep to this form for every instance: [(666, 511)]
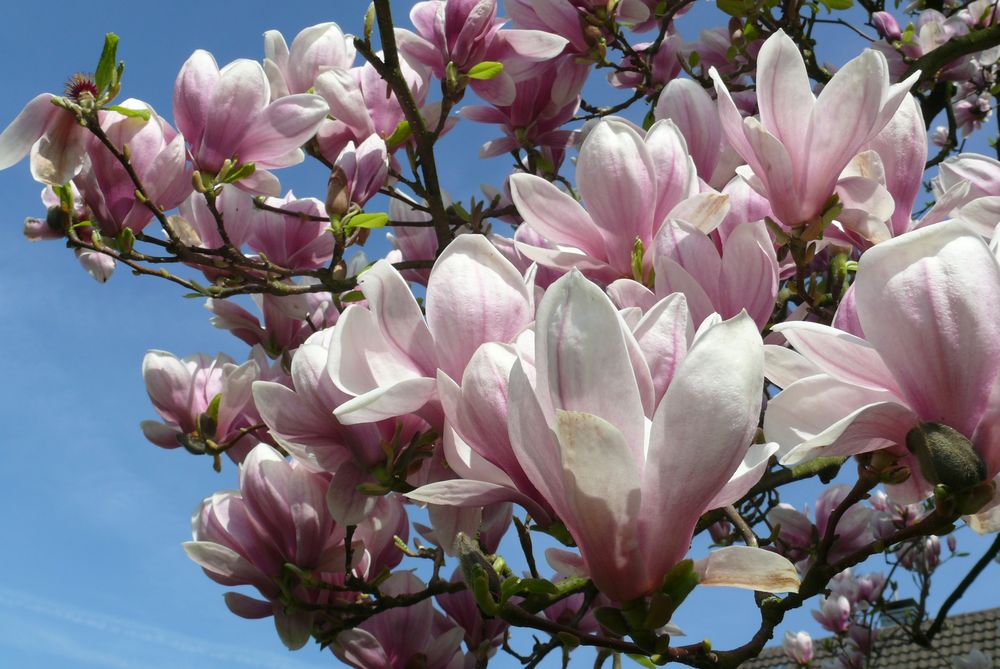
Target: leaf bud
[(946, 456)]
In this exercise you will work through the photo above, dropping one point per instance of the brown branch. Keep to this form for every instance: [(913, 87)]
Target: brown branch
[(389, 70), (960, 589)]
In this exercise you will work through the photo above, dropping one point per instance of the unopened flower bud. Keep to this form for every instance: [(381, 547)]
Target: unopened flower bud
[(338, 194), (952, 543), (886, 26), (946, 456)]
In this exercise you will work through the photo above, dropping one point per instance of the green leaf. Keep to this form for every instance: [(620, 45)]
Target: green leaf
[(399, 136), (488, 69), (352, 296), (376, 220), (242, 172), (558, 532), (106, 66), (213, 407), (642, 661), (125, 241), (837, 4), (679, 582), (131, 113)]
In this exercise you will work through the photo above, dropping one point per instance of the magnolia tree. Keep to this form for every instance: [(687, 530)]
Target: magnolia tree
[(644, 333)]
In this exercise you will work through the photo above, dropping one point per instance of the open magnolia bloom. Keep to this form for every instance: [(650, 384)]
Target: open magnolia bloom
[(799, 146), (627, 437), (631, 182), (927, 364)]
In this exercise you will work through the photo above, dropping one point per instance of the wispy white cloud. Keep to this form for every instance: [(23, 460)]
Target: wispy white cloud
[(43, 637)]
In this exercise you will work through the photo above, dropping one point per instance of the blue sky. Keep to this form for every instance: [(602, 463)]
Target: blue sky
[(93, 575)]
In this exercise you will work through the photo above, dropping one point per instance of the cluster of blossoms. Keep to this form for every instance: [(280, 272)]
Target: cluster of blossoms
[(973, 74), (734, 290)]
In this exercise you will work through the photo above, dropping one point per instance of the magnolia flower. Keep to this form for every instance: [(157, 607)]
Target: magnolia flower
[(388, 355), (542, 105), (744, 276), (156, 154), (619, 451), (465, 33), (800, 145), (300, 242), (630, 182), (315, 49), (228, 114), (246, 537), (362, 105), (798, 647), (834, 613), (930, 355), (201, 399), (51, 134), (415, 635)]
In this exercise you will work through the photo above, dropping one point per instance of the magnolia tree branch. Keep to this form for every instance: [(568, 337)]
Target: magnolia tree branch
[(389, 70), (959, 591)]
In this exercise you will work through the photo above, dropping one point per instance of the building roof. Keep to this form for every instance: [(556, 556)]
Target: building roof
[(960, 634)]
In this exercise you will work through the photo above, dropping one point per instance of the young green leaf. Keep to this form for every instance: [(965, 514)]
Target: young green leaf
[(488, 69), (106, 66)]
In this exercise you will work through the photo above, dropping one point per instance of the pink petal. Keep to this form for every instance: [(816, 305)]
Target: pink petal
[(474, 296), (870, 428), (691, 108), (555, 215), (839, 354), (26, 129), (708, 415), (193, 94), (237, 100), (749, 568), (283, 126), (937, 332), (582, 359), (783, 94), (617, 180), (603, 497)]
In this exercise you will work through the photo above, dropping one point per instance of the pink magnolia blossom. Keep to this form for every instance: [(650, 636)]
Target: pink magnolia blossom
[(474, 295), (285, 321), (664, 65), (556, 17), (800, 145), (156, 153), (466, 33), (799, 647), (197, 226), (201, 399), (362, 105), (278, 516), (902, 149), (315, 49), (483, 635), (416, 635), (834, 613), (297, 242), (603, 451), (228, 114), (543, 104), (930, 354), (744, 276), (365, 169), (53, 137), (693, 111), (301, 419), (630, 184)]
